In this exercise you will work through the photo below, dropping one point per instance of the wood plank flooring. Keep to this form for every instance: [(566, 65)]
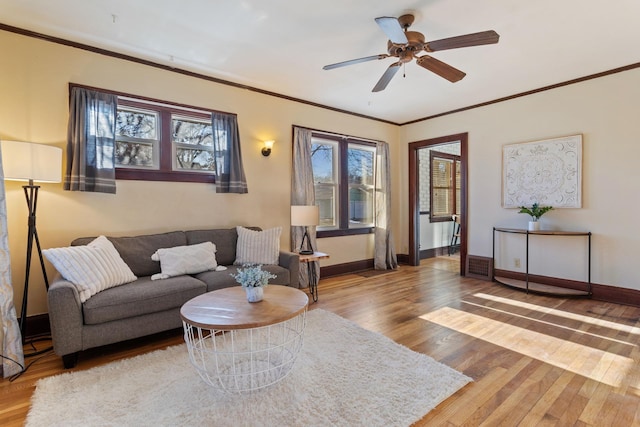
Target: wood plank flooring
[(535, 360)]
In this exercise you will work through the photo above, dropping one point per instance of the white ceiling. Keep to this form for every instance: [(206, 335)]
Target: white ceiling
[(281, 45)]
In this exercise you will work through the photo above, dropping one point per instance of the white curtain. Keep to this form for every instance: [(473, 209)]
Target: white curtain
[(384, 250), (303, 193), (12, 355)]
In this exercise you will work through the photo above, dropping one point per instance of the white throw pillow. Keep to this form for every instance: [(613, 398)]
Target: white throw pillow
[(258, 247), (190, 259), (91, 268)]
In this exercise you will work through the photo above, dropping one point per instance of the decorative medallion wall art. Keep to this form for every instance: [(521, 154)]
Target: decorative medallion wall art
[(547, 172)]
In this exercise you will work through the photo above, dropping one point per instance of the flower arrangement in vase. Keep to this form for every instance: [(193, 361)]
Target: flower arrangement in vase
[(535, 211), (253, 279)]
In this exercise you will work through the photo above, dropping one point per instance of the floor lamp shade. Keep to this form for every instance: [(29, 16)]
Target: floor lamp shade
[(25, 161), (304, 216)]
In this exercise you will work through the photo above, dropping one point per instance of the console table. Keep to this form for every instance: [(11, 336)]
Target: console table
[(539, 287)]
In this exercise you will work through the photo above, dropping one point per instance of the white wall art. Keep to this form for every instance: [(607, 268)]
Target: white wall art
[(547, 172)]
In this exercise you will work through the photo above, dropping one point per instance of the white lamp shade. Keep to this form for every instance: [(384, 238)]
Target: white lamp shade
[(305, 215), (24, 161)]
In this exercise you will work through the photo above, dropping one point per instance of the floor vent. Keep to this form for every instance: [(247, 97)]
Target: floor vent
[(479, 267)]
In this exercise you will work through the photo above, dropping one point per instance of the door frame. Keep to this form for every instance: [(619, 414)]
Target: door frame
[(414, 202)]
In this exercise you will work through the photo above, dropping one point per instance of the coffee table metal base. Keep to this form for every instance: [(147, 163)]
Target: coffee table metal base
[(241, 360)]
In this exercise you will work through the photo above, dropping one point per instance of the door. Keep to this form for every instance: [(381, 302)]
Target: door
[(415, 189)]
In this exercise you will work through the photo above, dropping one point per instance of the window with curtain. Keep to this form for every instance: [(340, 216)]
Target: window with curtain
[(445, 189), (344, 178)]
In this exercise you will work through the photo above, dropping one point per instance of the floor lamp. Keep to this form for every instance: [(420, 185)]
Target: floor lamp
[(26, 161), (305, 216)]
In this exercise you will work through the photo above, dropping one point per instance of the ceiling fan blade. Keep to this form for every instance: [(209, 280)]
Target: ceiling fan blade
[(355, 61), (386, 77), (440, 68), (468, 40), (393, 29)]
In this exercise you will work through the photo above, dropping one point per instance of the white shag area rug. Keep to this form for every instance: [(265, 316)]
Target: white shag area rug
[(344, 376)]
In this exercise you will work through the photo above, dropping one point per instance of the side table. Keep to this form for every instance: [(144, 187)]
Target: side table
[(239, 346), (310, 260)]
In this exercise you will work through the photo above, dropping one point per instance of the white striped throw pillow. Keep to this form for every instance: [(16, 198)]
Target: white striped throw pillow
[(258, 247), (91, 268)]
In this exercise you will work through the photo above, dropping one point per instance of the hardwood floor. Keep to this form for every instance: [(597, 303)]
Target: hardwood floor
[(535, 360)]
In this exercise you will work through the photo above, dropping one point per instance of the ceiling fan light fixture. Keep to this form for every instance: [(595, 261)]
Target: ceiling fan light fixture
[(404, 45)]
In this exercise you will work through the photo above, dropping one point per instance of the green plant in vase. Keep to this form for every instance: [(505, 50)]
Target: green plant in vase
[(535, 211)]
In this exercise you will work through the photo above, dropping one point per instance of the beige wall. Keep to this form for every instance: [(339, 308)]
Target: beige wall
[(34, 107), (605, 111)]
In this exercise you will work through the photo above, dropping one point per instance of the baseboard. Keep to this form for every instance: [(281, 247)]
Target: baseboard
[(346, 268), (434, 252), (403, 259), (606, 293), (38, 325)]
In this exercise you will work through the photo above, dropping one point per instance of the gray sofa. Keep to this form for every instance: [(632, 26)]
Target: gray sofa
[(145, 307)]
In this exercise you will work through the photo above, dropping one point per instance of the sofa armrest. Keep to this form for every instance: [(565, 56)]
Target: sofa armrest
[(291, 261), (65, 316)]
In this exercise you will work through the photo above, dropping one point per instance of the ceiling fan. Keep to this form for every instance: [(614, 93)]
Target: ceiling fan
[(404, 45)]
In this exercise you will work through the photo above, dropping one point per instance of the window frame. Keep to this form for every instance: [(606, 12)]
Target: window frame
[(165, 171), (453, 188), (342, 198)]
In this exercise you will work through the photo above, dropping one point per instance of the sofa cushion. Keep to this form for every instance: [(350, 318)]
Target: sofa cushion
[(136, 251), (91, 268), (258, 247), (140, 297), (222, 279)]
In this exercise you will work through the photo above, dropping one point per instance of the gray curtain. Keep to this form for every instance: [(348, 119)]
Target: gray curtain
[(384, 249), (13, 360), (229, 170), (91, 141), (303, 193)]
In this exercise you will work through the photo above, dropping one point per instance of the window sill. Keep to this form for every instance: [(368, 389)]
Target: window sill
[(350, 232), (144, 175)]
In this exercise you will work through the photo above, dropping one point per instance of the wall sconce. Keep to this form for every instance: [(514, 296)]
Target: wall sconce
[(266, 150)]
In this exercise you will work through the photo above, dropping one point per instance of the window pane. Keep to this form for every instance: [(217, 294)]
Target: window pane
[(360, 163), (360, 206), (135, 154), (135, 123), (458, 187), (441, 203), (325, 199), (195, 160), (191, 132), (324, 162)]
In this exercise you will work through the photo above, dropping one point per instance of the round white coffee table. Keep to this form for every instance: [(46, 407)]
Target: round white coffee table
[(240, 346)]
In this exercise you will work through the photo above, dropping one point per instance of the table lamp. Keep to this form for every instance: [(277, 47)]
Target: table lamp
[(26, 161), (305, 216)]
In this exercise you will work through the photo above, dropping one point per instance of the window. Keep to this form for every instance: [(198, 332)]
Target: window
[(445, 186), (343, 174), (162, 142)]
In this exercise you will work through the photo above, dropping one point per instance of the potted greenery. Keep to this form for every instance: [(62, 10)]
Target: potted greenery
[(535, 211), (253, 279)]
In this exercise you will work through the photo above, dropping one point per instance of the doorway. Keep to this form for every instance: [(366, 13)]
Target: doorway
[(415, 190)]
